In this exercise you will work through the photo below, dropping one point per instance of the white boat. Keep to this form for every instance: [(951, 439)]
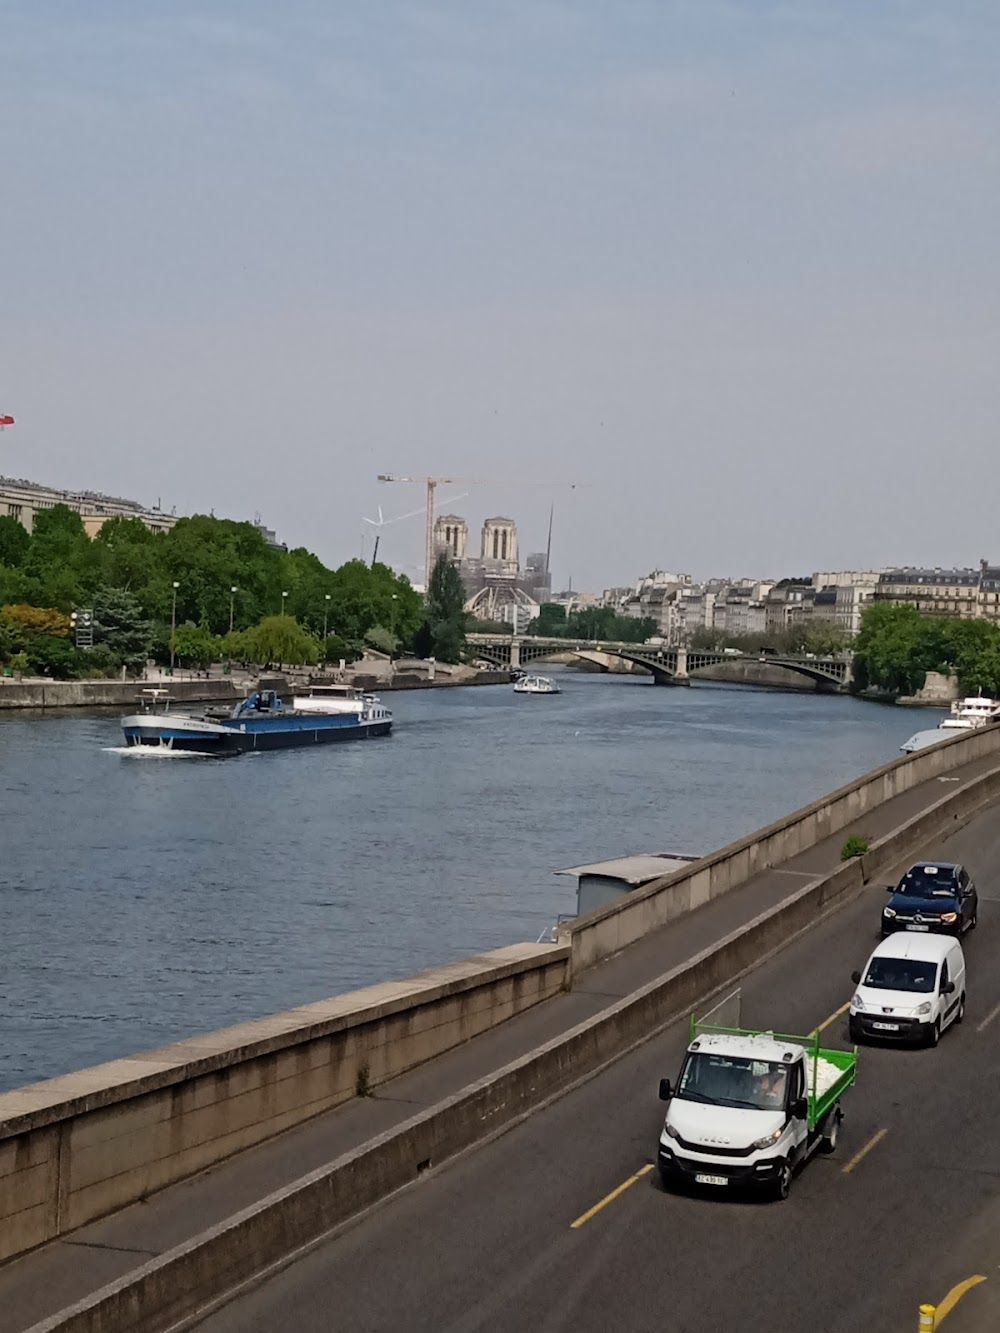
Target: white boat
[(536, 685), (966, 715), (975, 711)]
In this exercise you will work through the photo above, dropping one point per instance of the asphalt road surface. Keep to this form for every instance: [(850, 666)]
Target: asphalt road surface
[(907, 1207)]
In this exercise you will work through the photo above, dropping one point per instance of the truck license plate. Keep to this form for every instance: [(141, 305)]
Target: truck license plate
[(921, 926), (886, 1027), (711, 1180)]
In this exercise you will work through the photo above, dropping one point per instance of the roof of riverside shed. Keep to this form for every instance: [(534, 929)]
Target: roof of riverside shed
[(635, 870)]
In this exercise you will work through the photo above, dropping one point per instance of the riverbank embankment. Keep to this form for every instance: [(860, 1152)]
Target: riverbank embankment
[(59, 694)]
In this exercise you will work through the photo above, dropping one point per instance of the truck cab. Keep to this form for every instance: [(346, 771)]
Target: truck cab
[(749, 1108)]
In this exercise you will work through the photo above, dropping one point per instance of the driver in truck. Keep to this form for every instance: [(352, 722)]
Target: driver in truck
[(771, 1086)]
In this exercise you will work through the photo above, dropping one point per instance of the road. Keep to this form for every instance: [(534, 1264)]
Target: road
[(908, 1207)]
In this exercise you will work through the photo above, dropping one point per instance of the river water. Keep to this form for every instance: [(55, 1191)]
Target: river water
[(145, 899)]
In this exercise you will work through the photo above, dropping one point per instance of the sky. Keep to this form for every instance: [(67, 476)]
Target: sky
[(718, 281)]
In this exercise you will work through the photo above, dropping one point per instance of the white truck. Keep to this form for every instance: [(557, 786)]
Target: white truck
[(750, 1108)]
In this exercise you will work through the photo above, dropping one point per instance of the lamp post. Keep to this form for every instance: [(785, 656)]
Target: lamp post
[(326, 613), (173, 626), (232, 600), (283, 596)]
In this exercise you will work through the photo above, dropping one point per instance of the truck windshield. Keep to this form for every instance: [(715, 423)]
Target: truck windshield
[(900, 974), (729, 1080)]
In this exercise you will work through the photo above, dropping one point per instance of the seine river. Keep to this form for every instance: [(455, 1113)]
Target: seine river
[(147, 899)]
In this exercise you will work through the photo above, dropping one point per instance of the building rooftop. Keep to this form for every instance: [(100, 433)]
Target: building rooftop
[(635, 870)]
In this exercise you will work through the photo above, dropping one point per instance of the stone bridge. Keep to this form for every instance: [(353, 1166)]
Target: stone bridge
[(668, 666)]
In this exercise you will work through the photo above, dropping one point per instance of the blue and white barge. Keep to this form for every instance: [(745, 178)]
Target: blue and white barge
[(260, 722)]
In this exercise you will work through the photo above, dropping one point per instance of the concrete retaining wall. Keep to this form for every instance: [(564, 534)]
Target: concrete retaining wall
[(109, 693), (81, 1146), (610, 928), (183, 1280)]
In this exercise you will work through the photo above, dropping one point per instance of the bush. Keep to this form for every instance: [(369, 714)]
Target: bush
[(854, 846)]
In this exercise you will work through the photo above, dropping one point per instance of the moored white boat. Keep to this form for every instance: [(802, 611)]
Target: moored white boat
[(966, 715)]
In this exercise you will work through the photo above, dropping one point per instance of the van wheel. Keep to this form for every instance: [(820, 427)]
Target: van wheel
[(934, 1036), (784, 1180), (961, 1009)]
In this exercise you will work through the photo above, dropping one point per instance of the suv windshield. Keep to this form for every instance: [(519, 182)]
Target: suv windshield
[(728, 1080), (929, 882), (900, 974)]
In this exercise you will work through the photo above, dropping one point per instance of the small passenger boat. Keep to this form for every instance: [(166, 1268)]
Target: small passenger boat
[(536, 685)]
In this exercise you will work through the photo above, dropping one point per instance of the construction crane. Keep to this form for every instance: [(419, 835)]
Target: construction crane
[(431, 483)]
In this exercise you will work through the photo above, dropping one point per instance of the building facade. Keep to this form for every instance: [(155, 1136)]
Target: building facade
[(23, 500), (937, 592)]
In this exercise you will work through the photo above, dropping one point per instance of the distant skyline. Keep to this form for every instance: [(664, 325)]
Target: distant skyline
[(730, 267)]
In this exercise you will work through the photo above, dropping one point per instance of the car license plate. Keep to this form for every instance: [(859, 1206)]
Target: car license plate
[(915, 926), (886, 1027), (711, 1180)]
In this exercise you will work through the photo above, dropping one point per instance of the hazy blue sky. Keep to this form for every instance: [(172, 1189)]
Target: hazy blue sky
[(735, 265)]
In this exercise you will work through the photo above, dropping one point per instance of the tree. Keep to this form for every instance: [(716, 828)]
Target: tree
[(446, 616), (281, 640), (51, 656), (120, 626), (196, 646), (893, 650), (14, 542), (382, 640), (29, 622), (551, 621)]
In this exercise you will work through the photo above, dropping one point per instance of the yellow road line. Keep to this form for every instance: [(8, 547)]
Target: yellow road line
[(585, 1217), (832, 1019), (858, 1156), (989, 1018), (954, 1296)]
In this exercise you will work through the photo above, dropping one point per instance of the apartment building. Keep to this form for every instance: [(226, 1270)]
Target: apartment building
[(23, 500)]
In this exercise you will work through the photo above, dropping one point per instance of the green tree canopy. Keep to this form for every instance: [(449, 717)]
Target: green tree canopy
[(14, 542), (446, 616), (121, 627), (280, 641)]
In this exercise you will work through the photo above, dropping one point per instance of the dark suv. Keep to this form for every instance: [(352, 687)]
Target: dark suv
[(938, 896)]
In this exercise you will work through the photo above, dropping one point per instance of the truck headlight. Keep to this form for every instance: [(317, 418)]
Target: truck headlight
[(924, 1008), (857, 1002), (769, 1139), (949, 917), (670, 1132), (888, 911)]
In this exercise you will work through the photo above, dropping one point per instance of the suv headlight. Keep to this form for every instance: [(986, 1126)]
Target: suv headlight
[(858, 1002), (670, 1132), (888, 911), (769, 1139), (924, 1008), (949, 917)]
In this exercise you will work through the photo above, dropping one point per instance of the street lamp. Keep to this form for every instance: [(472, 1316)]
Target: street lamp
[(283, 596), (232, 598), (173, 626), (326, 612)]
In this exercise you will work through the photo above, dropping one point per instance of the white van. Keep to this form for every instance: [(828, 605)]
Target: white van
[(912, 988)]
